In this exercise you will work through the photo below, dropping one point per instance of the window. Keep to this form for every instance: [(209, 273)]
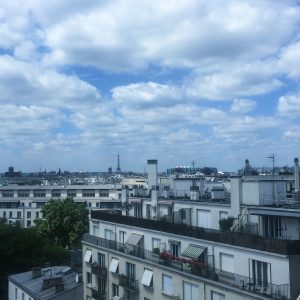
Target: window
[(260, 272), (109, 234), (19, 215), (71, 193), (23, 194), (226, 263), (23, 296), (96, 231), (114, 266), (4, 214), (115, 290), (38, 193), (190, 291), (37, 214), (10, 214), (56, 194), (130, 270), (155, 243), (167, 286), (88, 256), (89, 278), (223, 215), (28, 223), (217, 296), (101, 285), (8, 194), (162, 246), (28, 214), (122, 237), (88, 193), (103, 193), (272, 226), (147, 278), (145, 298), (203, 218), (175, 247), (101, 259)]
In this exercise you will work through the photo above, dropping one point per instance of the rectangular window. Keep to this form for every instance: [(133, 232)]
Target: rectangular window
[(190, 291), (19, 215), (109, 234), (224, 215), (226, 263), (71, 193), (28, 223), (89, 278), (23, 296), (88, 193), (101, 259), (260, 272), (122, 237), (37, 214), (203, 218), (155, 243), (167, 285), (38, 193), (23, 194), (96, 231), (115, 290), (7, 194), (175, 248), (4, 214), (10, 214), (56, 193), (16, 294), (130, 270), (103, 193), (28, 214), (217, 296)]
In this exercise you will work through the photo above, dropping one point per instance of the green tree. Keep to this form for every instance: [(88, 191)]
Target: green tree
[(64, 221), (21, 249)]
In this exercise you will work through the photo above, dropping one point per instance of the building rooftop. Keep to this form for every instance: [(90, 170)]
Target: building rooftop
[(33, 285)]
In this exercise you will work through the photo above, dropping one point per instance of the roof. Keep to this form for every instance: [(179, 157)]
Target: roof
[(61, 187), (193, 251), (33, 286)]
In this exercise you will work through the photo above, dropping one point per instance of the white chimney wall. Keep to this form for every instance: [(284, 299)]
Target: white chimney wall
[(152, 173), (296, 173)]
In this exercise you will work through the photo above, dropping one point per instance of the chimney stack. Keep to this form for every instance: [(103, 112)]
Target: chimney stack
[(152, 173), (296, 173)]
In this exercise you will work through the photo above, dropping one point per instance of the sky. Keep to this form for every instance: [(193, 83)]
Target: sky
[(213, 82)]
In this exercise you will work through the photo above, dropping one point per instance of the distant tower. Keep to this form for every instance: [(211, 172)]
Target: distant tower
[(118, 167)]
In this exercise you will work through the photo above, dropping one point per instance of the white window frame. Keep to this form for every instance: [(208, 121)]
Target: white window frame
[(167, 284), (224, 265)]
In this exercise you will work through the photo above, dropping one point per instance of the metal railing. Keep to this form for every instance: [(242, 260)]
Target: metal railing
[(98, 270), (204, 270), (129, 283), (285, 247)]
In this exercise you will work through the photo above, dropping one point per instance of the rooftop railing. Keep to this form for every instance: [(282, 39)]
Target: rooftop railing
[(196, 268), (285, 247)]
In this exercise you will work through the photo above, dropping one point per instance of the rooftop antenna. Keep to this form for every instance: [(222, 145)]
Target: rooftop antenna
[(193, 166), (118, 166), (272, 156)]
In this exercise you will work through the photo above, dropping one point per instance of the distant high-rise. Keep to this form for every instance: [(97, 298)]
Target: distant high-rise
[(118, 166)]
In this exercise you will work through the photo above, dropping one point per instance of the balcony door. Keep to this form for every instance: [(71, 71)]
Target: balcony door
[(130, 270)]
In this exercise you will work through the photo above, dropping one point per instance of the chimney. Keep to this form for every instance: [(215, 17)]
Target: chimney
[(152, 173), (36, 272), (296, 173)]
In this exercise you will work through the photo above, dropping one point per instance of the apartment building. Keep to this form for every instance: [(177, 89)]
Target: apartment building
[(23, 204), (133, 258)]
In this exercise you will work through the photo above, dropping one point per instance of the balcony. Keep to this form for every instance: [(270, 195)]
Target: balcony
[(98, 270), (98, 295), (129, 283), (202, 270)]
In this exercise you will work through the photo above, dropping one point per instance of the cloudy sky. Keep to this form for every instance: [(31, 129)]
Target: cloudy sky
[(211, 81)]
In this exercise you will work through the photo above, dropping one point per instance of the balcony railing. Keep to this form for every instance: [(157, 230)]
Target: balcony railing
[(285, 247), (99, 270), (98, 295), (203, 270), (129, 283)]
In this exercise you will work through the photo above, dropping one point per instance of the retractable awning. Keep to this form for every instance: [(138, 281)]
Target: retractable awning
[(114, 265), (134, 239), (193, 251), (147, 277), (88, 256)]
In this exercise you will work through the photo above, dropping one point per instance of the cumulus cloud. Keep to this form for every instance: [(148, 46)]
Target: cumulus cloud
[(289, 105), (242, 106)]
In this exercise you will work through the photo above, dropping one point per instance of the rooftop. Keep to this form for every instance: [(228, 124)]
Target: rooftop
[(33, 285)]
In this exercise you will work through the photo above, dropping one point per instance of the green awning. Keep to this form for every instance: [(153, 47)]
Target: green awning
[(193, 251)]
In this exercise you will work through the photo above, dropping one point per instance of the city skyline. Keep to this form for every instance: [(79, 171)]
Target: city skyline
[(216, 82)]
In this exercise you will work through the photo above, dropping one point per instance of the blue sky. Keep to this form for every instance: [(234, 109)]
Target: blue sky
[(211, 81)]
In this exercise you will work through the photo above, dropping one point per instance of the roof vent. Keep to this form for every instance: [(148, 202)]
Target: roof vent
[(36, 272)]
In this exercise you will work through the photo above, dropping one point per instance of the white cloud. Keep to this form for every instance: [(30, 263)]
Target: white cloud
[(242, 106), (289, 105)]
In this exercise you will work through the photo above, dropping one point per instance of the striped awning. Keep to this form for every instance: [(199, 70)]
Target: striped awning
[(134, 239), (193, 251)]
